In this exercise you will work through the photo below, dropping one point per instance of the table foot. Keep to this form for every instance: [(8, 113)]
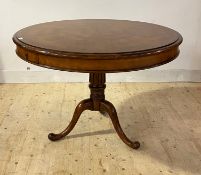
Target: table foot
[(110, 109), (82, 106)]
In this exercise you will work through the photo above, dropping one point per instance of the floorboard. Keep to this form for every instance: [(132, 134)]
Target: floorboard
[(164, 117)]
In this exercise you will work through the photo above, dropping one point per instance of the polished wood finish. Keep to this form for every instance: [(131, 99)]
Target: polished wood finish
[(97, 47), (96, 102), (83, 105)]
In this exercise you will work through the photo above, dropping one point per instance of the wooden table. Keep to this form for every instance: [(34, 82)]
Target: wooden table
[(97, 47)]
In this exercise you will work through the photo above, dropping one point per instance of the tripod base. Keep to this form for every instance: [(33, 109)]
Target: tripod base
[(96, 102)]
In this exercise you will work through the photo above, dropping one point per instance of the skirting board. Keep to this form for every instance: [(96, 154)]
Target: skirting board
[(138, 76)]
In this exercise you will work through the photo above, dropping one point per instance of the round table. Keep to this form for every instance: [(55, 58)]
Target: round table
[(97, 47)]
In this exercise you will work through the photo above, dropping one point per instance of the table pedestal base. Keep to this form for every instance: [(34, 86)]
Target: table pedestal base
[(96, 102)]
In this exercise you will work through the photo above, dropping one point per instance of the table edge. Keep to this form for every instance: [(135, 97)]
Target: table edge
[(96, 56), (123, 64)]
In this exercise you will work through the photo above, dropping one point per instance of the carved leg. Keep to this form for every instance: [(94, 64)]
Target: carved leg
[(83, 105), (96, 102), (110, 109)]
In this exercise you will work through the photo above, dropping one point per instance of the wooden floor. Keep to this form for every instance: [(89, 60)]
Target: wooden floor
[(165, 118)]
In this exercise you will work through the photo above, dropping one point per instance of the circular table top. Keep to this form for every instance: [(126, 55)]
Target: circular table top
[(97, 45)]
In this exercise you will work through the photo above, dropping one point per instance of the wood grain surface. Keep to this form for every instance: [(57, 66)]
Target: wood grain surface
[(100, 45), (165, 117), (97, 36)]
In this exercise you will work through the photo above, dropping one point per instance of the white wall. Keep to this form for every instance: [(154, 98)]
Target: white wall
[(181, 15)]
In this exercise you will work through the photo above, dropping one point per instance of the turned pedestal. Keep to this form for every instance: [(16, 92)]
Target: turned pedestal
[(96, 102)]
